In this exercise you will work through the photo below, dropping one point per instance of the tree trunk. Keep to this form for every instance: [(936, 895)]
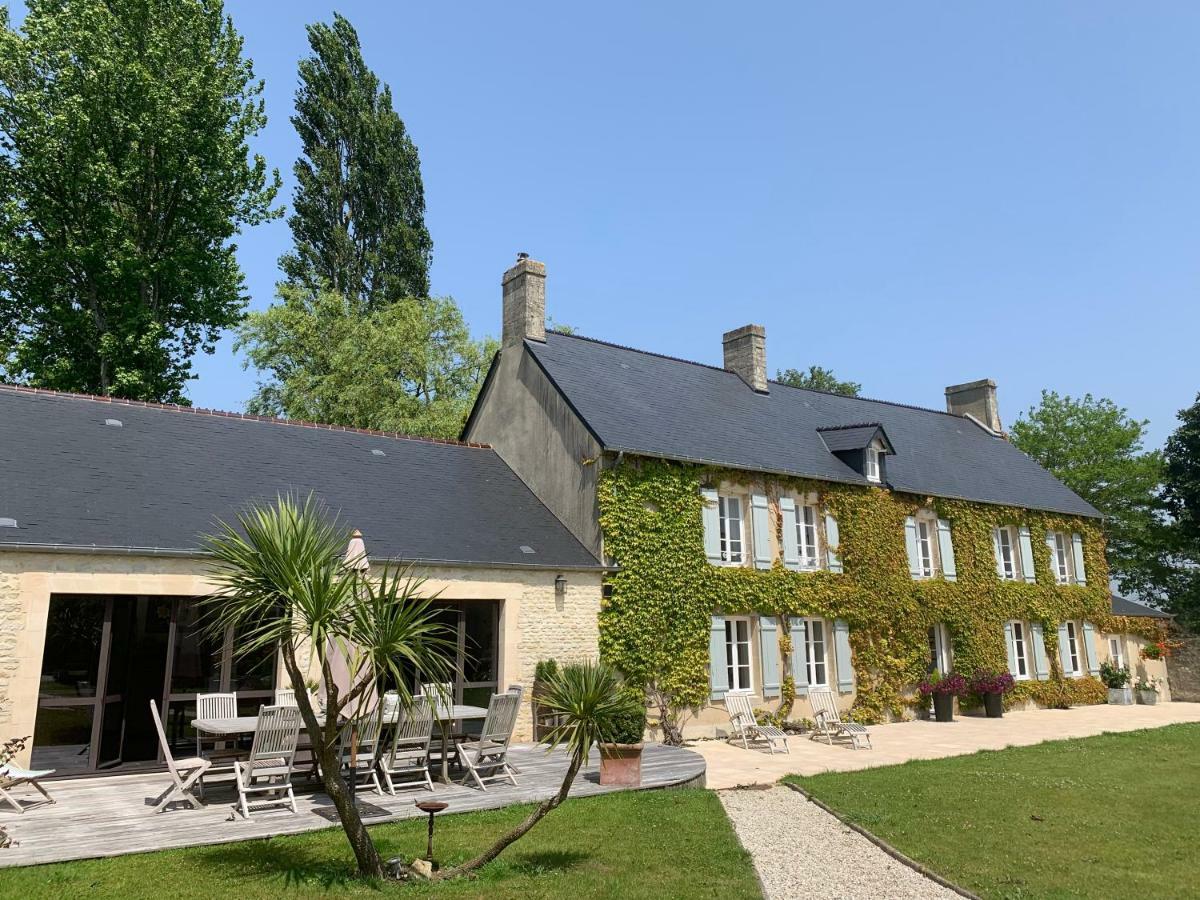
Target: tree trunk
[(536, 816), (370, 865)]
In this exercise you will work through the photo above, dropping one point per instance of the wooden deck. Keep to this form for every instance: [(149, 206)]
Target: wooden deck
[(111, 816)]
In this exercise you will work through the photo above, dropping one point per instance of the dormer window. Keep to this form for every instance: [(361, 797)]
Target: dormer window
[(863, 447), (871, 464)]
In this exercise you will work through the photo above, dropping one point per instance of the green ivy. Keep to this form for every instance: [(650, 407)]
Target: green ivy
[(655, 625)]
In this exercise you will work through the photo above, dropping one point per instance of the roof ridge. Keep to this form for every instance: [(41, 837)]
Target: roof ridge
[(248, 417), (692, 362)]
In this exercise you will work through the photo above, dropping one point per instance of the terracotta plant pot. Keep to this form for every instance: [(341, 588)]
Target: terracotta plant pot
[(1148, 698), (993, 705), (1122, 696), (621, 764), (943, 707)]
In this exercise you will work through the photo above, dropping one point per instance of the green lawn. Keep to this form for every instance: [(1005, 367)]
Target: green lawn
[(653, 844), (1108, 816)]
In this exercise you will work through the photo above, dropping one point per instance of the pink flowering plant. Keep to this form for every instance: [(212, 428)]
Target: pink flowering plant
[(951, 685), (985, 682)]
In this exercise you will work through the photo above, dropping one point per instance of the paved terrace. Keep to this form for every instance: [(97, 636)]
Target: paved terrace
[(111, 816), (730, 766)]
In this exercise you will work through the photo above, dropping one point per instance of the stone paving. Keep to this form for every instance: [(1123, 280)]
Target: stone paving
[(730, 766)]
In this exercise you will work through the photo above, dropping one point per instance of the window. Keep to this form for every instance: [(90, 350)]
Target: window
[(737, 654), (924, 548), (1116, 652), (730, 513), (806, 536), (871, 463), (1060, 556), (1007, 562), (1020, 654), (814, 641), (1072, 659), (939, 649)]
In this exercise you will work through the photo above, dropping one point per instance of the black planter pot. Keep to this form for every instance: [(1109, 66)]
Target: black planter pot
[(943, 707), (993, 705)]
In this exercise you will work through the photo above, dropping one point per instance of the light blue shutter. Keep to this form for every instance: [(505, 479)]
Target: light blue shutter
[(833, 543), (845, 666), (996, 552), (910, 544), (1010, 643), (1064, 647), (1041, 665), (711, 517), (718, 673), (768, 644), (946, 547), (791, 547), (1077, 552), (799, 634), (762, 531), (1027, 554), (1089, 648)]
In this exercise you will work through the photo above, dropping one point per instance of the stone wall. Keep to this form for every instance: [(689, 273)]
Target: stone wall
[(1183, 666), (12, 623)]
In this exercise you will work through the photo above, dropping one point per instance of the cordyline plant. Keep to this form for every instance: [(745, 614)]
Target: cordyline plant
[(985, 682), (282, 583), (952, 685)]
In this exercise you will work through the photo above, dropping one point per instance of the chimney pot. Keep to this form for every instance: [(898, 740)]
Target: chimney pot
[(524, 291), (976, 399), (746, 355)]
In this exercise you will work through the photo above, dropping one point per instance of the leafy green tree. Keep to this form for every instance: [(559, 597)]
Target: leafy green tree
[(818, 379), (1097, 450), (359, 207), (1181, 492), (410, 366), (124, 176)]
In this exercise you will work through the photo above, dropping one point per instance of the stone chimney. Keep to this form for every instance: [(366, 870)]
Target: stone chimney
[(746, 355), (524, 288), (977, 399)]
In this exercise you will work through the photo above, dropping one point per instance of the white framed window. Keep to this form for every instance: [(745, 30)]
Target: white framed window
[(1060, 556), (1020, 651), (939, 648), (1008, 561), (737, 654), (1072, 660), (871, 463), (814, 641), (1116, 652), (806, 537), (729, 511), (925, 547)]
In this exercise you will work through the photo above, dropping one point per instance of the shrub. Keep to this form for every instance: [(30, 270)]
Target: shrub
[(1149, 684), (985, 682), (1113, 676), (629, 725), (545, 670), (952, 685)]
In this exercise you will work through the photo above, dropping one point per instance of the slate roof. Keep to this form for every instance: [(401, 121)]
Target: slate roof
[(851, 437), (1122, 606), (163, 478), (655, 405)]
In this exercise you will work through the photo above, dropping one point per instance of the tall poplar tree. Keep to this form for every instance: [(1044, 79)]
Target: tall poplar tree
[(125, 174), (359, 207)]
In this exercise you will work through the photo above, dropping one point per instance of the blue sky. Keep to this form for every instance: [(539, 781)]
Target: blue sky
[(912, 194)]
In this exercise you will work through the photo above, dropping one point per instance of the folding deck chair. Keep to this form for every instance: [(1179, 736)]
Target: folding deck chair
[(185, 773), (746, 728), (828, 721)]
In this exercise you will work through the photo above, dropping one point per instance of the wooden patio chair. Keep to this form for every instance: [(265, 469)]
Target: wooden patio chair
[(13, 776), (185, 773), (827, 721), (409, 753), (222, 749), (358, 744), (746, 728), (490, 752), (285, 697), (268, 769)]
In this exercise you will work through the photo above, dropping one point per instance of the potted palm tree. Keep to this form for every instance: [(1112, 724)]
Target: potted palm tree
[(943, 689), (990, 687), (621, 755), (1116, 679)]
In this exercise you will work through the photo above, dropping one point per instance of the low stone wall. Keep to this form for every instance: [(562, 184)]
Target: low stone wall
[(1183, 666)]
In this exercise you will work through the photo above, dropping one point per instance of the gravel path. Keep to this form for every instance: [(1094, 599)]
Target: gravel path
[(802, 851)]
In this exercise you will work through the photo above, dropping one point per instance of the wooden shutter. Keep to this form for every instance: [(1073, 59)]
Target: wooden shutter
[(791, 547), (845, 665), (711, 517), (718, 673), (1011, 643), (910, 544), (1041, 665), (799, 635), (1064, 647), (946, 548), (1077, 552), (833, 543), (1089, 648), (996, 551), (761, 520), (1027, 554), (768, 645)]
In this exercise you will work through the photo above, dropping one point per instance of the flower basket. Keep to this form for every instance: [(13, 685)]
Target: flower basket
[(991, 687), (1147, 690), (943, 689)]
